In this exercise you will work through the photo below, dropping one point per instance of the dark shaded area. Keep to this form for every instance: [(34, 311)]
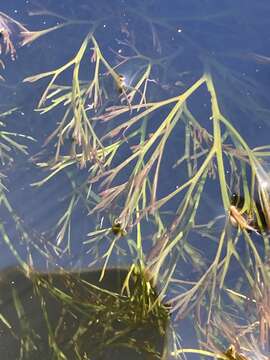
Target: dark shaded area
[(64, 313)]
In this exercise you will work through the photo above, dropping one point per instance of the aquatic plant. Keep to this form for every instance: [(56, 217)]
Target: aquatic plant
[(77, 318), (8, 145), (116, 115), (85, 112), (14, 34)]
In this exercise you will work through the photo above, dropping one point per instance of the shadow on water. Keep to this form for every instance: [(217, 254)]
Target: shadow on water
[(74, 316)]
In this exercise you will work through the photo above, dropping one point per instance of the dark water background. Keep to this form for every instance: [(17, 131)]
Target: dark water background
[(227, 32)]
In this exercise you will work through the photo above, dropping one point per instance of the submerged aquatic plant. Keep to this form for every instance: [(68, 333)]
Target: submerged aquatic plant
[(116, 116), (14, 34), (81, 318), (93, 132), (238, 330), (10, 142)]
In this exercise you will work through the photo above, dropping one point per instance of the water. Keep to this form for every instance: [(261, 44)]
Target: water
[(157, 114)]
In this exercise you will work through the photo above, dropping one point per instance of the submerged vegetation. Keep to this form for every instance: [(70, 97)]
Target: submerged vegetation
[(79, 317), (141, 143)]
